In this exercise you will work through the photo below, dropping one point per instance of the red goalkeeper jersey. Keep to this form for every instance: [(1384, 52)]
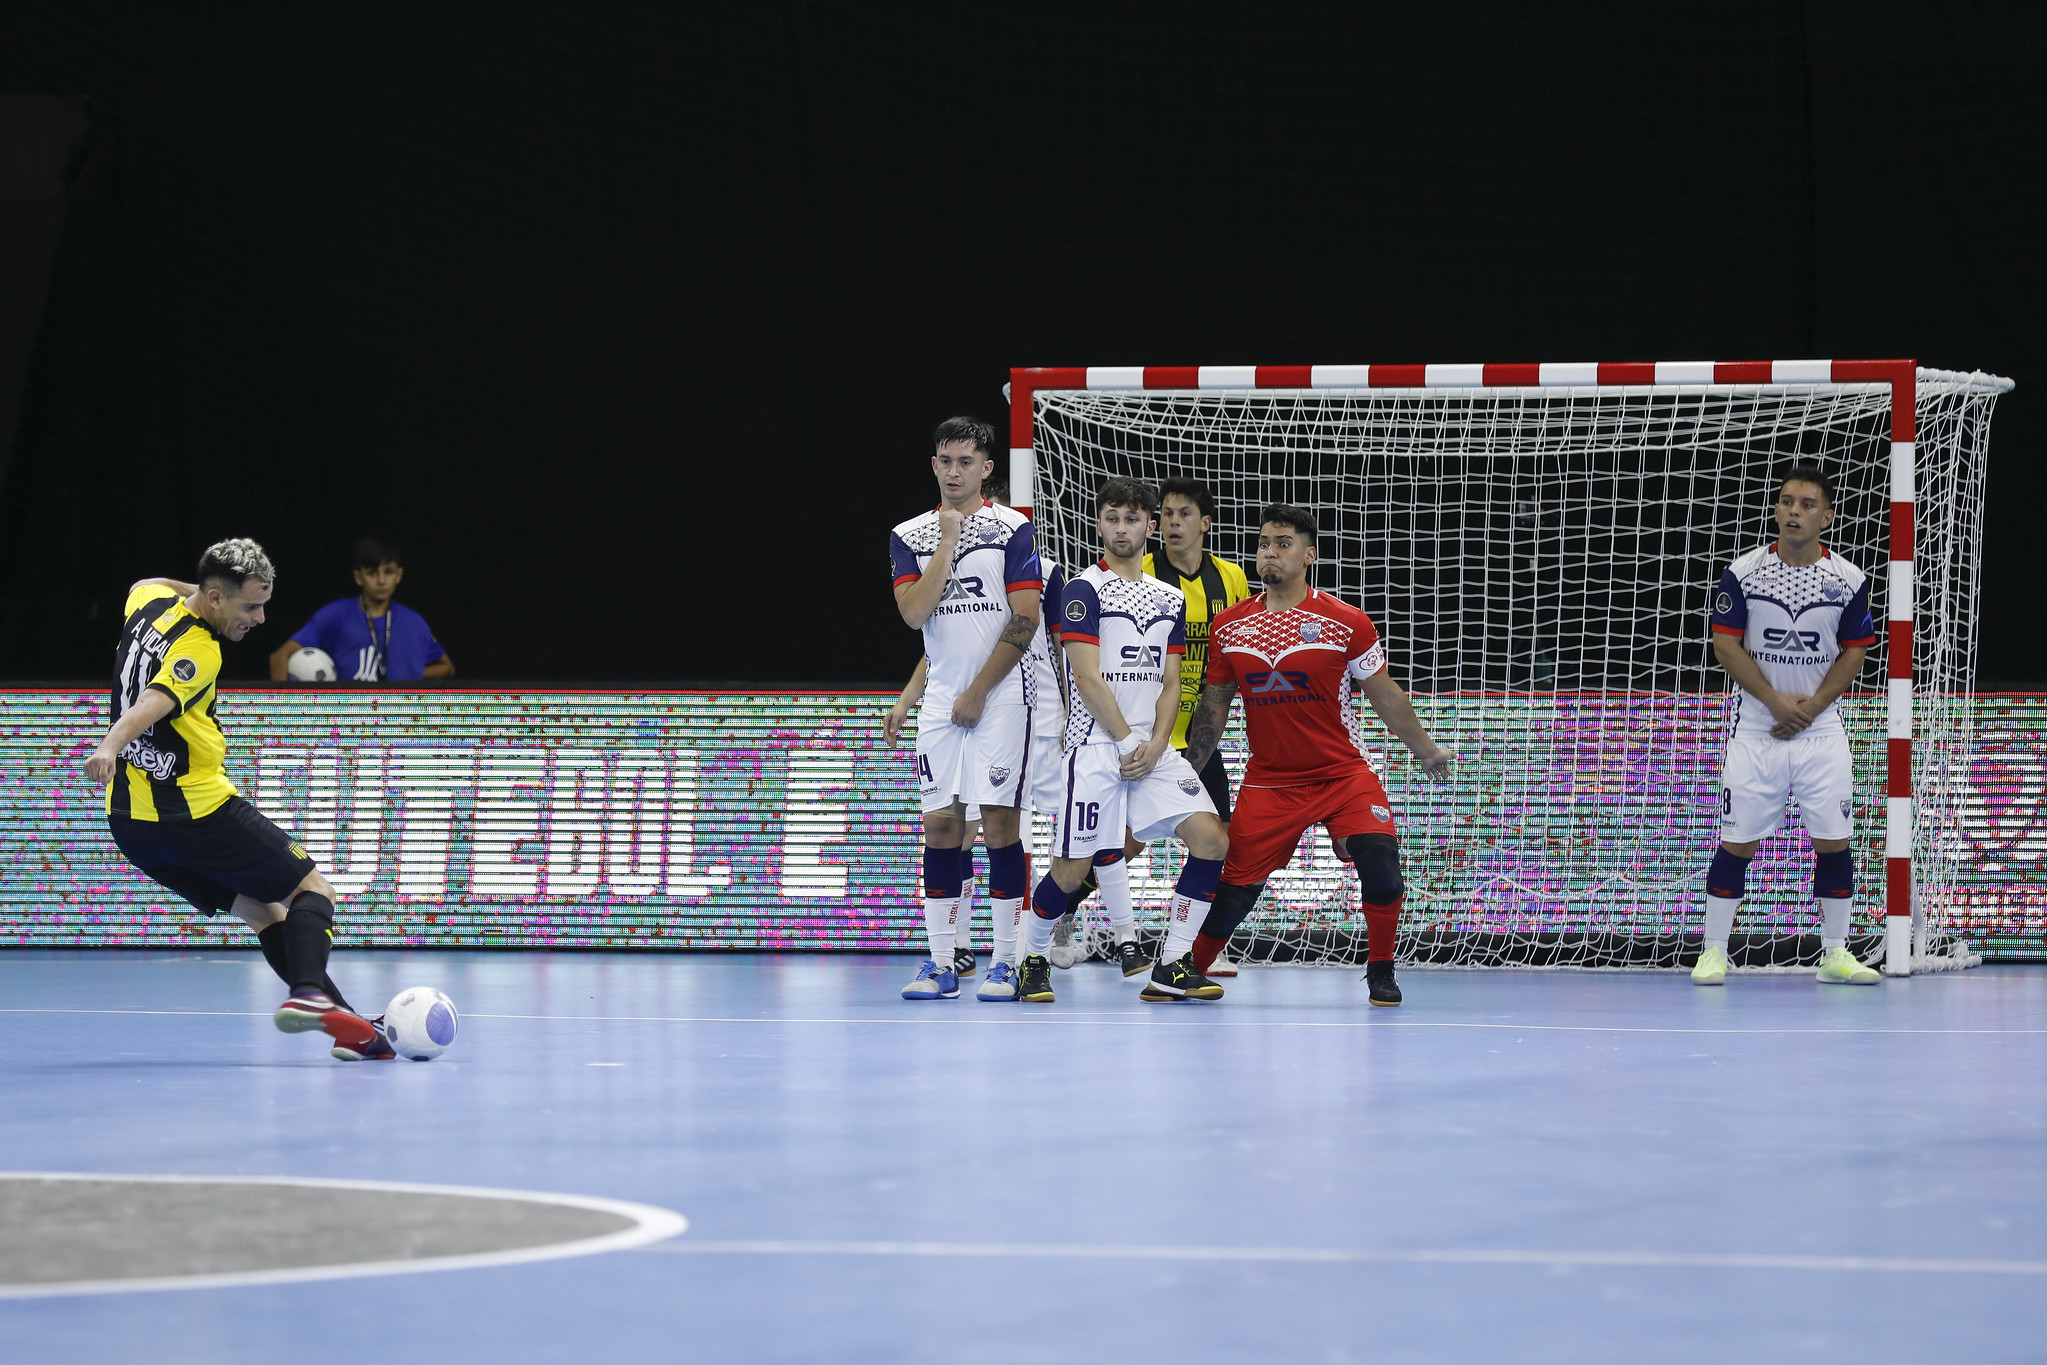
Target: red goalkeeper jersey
[(1293, 669)]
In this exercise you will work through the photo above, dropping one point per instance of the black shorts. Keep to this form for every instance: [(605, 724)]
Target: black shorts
[(235, 851), (1217, 779)]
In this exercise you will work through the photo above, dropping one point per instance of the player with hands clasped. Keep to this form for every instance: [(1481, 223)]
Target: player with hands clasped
[(966, 574), (1293, 652), (174, 814), (1791, 626), (1121, 633)]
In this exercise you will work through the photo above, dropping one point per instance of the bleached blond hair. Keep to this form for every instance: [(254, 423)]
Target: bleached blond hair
[(236, 562)]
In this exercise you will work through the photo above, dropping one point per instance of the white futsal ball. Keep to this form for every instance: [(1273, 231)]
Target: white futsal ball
[(420, 1023), (311, 665)]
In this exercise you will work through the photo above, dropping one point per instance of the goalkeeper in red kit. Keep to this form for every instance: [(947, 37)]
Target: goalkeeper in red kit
[(1292, 652)]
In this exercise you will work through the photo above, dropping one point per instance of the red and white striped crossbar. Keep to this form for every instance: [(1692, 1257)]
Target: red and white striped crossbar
[(1901, 375)]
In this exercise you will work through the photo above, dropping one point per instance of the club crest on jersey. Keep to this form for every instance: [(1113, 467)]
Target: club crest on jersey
[(184, 670), (1834, 593), (1190, 785), (1311, 631), (1845, 803), (998, 775), (1382, 815)]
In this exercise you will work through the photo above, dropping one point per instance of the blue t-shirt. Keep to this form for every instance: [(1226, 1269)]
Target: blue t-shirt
[(396, 647)]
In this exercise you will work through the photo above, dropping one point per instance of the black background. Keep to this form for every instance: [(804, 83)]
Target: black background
[(632, 324)]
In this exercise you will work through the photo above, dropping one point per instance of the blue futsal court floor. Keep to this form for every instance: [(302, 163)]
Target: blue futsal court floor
[(1515, 1166)]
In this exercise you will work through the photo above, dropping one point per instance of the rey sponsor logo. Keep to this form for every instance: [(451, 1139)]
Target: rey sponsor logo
[(160, 766)]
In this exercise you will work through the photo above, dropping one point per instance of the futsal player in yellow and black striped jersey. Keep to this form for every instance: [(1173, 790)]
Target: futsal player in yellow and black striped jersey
[(174, 814), (1186, 511)]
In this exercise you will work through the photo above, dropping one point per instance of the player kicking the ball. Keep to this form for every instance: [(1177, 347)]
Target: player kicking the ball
[(1293, 651), (1121, 631), (175, 815), (966, 574), (1791, 626)]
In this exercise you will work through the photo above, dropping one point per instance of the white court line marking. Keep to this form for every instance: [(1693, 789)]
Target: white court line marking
[(1346, 1256), (1185, 1017), (651, 1224)]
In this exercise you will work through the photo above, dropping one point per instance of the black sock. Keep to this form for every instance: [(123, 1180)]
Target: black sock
[(272, 941), (308, 938)]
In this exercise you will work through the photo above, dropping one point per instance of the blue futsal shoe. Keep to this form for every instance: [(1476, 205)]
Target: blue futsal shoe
[(933, 984), (1000, 985)]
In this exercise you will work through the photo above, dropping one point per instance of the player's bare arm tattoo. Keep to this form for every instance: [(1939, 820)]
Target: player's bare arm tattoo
[(1019, 631), (1205, 726)]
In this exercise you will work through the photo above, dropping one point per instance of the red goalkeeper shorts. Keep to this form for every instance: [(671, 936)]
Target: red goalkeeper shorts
[(1269, 821)]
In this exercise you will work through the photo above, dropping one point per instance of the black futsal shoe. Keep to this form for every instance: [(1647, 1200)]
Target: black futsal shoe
[(1036, 987), (1178, 980), (1384, 989), (1132, 958), (963, 962)]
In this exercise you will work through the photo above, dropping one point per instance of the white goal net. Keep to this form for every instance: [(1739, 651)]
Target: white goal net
[(1541, 563)]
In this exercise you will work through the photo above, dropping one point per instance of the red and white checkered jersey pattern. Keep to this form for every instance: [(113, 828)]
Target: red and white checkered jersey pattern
[(1293, 669)]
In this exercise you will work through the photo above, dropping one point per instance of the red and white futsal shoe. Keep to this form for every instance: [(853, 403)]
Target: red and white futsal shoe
[(314, 1010), (377, 1049), (1222, 966)]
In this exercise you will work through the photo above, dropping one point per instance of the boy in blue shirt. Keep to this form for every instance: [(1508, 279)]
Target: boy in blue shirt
[(370, 637)]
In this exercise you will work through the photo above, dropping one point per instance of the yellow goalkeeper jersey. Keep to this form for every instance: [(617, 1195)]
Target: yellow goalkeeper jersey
[(1219, 586), (172, 770)]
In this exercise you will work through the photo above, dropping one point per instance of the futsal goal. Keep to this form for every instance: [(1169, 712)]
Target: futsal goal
[(1539, 546)]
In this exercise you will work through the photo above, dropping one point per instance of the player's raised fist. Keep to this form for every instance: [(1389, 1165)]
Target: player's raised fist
[(100, 766), (951, 521)]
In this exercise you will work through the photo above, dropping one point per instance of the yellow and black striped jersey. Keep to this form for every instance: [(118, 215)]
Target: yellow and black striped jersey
[(1219, 586), (172, 770)]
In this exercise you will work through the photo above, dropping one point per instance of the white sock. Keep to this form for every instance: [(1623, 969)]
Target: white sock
[(1834, 922), (1114, 880), (1720, 920), (962, 925), (1182, 926), (938, 913), (1037, 935), (1008, 914)]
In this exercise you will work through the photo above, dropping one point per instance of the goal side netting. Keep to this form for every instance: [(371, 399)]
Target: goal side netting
[(1541, 562)]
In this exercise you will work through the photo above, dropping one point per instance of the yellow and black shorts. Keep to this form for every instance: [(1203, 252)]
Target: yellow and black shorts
[(235, 851)]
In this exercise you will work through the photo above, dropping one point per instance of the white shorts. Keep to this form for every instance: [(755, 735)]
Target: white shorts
[(1048, 770), (988, 765), (1762, 772), (1097, 804)]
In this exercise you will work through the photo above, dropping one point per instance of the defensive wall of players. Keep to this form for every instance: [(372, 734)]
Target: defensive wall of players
[(784, 821)]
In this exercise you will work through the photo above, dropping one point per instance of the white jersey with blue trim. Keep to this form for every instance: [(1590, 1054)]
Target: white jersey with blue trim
[(1140, 627), (1794, 620), (997, 554)]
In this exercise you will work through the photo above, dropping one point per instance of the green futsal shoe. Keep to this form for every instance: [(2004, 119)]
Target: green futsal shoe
[(1839, 968), (1712, 968)]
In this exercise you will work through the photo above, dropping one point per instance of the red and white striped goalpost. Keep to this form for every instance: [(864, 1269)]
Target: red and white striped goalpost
[(1901, 375)]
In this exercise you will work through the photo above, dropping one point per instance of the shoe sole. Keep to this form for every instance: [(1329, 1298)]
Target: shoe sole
[(964, 971), (1387, 1004), (1710, 981), (1041, 998), (995, 999), (1848, 981), (935, 995), (1139, 969)]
